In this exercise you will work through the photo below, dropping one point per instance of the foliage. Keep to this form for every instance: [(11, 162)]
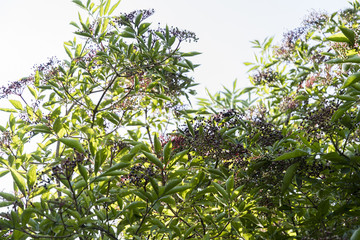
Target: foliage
[(298, 159), (79, 141), (283, 165)]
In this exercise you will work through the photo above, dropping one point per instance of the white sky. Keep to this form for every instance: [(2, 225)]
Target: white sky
[(33, 30)]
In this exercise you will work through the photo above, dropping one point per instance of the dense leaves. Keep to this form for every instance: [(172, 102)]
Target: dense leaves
[(85, 142)]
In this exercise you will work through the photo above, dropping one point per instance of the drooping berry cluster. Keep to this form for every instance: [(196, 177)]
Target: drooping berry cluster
[(265, 76), (66, 168), (319, 120), (267, 133)]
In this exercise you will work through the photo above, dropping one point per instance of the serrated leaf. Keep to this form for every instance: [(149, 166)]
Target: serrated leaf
[(7, 196), (100, 157), (79, 3), (107, 6), (350, 35), (31, 176), (190, 54), (221, 190), (230, 184), (78, 50), (294, 154), (289, 174), (26, 215), (167, 151), (356, 235), (157, 144), (5, 204), (8, 110), (72, 143), (32, 91), (19, 180), (340, 112), (84, 34), (124, 162), (83, 171), (68, 52), (153, 159), (16, 104), (138, 19), (127, 35), (178, 189), (351, 80), (171, 184), (338, 37), (114, 7), (162, 96), (190, 127), (41, 129)]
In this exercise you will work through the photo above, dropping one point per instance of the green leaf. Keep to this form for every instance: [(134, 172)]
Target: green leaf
[(33, 92), (190, 54), (83, 171), (68, 52), (338, 37), (155, 185), (73, 143), (356, 235), (57, 125), (157, 144), (114, 7), (178, 189), (7, 196), (79, 3), (294, 154), (16, 104), (190, 127), (171, 184), (289, 174), (26, 215), (221, 190), (153, 159), (31, 176), (138, 19), (167, 151), (8, 110), (126, 34), (100, 158), (162, 96), (340, 112), (19, 180), (78, 50), (124, 162), (350, 35), (107, 6), (351, 80), (352, 59), (5, 204), (84, 34), (230, 184), (41, 129)]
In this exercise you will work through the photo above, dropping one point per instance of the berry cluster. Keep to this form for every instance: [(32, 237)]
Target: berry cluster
[(319, 119), (49, 69), (140, 175), (208, 140), (126, 18), (269, 133), (67, 166), (266, 76), (16, 87)]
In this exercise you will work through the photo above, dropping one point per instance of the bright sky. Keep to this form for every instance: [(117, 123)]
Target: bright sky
[(32, 31)]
